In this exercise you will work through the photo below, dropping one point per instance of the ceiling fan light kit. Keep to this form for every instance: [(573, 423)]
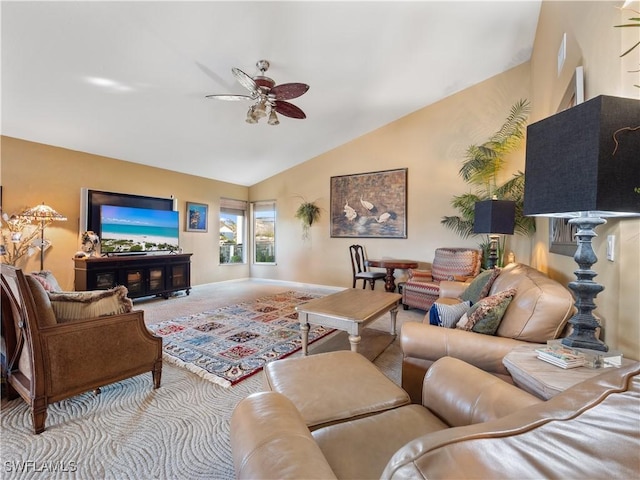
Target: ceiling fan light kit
[(269, 98)]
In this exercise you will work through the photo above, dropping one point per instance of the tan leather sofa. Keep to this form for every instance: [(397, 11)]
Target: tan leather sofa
[(470, 424), (538, 312)]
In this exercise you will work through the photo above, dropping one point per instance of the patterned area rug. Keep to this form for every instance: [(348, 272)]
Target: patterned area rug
[(231, 343)]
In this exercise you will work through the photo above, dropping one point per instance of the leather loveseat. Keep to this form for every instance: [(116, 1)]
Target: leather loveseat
[(538, 312), (470, 424)]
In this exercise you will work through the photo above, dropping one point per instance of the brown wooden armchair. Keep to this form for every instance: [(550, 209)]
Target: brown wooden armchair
[(48, 361)]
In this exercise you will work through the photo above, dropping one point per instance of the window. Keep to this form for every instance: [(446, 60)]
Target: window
[(232, 230), (264, 232)]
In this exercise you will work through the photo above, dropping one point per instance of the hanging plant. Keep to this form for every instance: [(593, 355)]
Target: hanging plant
[(307, 213)]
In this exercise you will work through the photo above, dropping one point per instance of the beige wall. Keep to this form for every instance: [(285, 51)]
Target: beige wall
[(594, 43), (33, 173), (431, 143)]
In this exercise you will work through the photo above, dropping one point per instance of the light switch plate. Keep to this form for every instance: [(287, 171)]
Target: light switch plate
[(611, 242)]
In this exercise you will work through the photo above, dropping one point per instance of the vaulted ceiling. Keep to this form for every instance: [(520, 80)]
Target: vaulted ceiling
[(128, 80)]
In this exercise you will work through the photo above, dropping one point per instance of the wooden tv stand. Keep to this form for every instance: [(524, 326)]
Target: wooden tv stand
[(143, 275)]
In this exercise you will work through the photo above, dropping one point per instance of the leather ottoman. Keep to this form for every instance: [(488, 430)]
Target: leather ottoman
[(329, 388)]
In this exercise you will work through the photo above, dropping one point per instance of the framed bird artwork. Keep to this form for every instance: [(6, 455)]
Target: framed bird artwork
[(369, 205)]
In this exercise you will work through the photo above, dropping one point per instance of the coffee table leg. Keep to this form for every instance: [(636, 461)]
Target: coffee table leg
[(394, 314), (304, 332), (354, 340)]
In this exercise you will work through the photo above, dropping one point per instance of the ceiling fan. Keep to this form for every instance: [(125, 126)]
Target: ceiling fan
[(269, 98)]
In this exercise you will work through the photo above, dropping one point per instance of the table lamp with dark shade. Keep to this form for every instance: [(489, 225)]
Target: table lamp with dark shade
[(584, 163), (494, 217)]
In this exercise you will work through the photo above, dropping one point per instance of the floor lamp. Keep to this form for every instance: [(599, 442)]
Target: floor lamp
[(45, 215), (584, 164)]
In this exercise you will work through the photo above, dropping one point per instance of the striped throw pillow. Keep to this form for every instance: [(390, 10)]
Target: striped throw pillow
[(450, 314)]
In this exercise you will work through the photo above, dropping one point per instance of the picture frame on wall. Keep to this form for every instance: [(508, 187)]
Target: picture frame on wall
[(369, 205), (574, 95), (561, 233), (196, 217)]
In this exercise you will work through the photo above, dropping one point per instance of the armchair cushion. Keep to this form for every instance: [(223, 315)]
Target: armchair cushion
[(69, 306), (44, 310), (455, 262), (480, 286)]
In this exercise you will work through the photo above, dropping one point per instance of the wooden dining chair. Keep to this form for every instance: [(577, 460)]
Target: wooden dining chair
[(361, 270)]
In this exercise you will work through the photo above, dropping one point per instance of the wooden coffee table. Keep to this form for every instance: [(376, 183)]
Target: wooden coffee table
[(349, 310)]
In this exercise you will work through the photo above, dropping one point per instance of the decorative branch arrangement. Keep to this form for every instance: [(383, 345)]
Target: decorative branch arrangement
[(18, 238)]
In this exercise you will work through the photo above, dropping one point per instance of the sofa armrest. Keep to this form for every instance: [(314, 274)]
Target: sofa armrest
[(450, 289), (422, 344), (269, 439), (429, 342), (553, 439), (461, 394)]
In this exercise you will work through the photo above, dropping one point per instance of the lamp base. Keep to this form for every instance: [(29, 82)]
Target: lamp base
[(585, 289), (581, 338), (493, 251)]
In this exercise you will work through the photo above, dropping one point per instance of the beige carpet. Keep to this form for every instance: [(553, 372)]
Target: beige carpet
[(130, 431)]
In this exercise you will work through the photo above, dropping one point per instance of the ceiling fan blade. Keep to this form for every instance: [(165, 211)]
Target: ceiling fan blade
[(289, 110), (245, 80), (287, 91), (230, 97)]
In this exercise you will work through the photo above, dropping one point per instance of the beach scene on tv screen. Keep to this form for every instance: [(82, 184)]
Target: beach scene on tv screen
[(128, 229)]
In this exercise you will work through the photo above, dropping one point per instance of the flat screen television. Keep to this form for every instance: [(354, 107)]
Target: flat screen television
[(129, 230), (91, 200)]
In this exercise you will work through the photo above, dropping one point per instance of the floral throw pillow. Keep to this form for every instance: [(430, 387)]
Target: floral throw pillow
[(486, 315)]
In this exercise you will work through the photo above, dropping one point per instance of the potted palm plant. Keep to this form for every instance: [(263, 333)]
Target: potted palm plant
[(480, 170)]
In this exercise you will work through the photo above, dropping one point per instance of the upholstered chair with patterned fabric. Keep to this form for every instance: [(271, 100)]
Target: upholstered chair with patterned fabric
[(423, 286)]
